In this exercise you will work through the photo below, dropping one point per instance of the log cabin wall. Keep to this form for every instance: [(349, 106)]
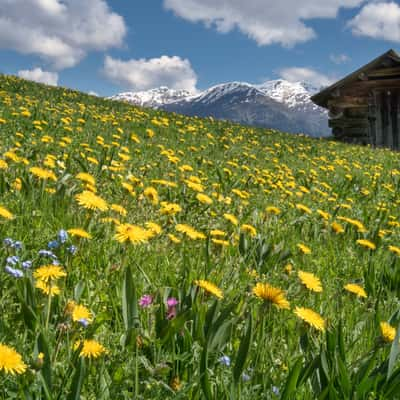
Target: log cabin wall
[(364, 107), (371, 118), (384, 117), (349, 119)]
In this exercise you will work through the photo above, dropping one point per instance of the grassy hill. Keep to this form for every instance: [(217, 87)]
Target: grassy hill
[(149, 255)]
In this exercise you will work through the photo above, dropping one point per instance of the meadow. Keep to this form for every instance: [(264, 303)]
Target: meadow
[(149, 255)]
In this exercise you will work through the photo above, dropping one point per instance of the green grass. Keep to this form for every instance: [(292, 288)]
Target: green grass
[(272, 352)]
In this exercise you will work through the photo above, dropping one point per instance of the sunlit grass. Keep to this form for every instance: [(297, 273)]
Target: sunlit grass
[(155, 255)]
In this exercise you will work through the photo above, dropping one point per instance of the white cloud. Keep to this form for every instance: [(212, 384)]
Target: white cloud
[(339, 58), (59, 31), (296, 74), (265, 21), (38, 75), (379, 21), (143, 74)]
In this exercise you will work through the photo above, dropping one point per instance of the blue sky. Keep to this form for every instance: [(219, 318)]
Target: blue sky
[(119, 45)]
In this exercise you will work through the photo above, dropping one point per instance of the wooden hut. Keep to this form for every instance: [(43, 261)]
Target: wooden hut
[(364, 107)]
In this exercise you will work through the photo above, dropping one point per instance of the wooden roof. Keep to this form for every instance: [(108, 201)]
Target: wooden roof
[(324, 95)]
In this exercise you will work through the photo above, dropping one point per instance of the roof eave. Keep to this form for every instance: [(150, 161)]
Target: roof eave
[(321, 98)]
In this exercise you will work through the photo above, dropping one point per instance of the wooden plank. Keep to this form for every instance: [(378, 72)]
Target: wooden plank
[(348, 101), (384, 72), (355, 131), (363, 76), (358, 140), (378, 120), (395, 119), (388, 129), (372, 84), (335, 113), (371, 120), (349, 122), (357, 112), (361, 91)]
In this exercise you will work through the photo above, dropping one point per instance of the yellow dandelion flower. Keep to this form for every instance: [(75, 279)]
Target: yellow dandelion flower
[(5, 213), (169, 208), (231, 218), (151, 194), (203, 198), (249, 229), (52, 290), (48, 273), (359, 225), (128, 187), (132, 233), (395, 250), (175, 384), (366, 244), (119, 209), (85, 177), (90, 187), (356, 289), (154, 228), (323, 214), (189, 231), (173, 238), (387, 331), (163, 182), (80, 312), (288, 268), (197, 187), (303, 248), (337, 228), (110, 220), (271, 294), (42, 173), (209, 288), (79, 233), (311, 317), (310, 281), (273, 210), (93, 160), (150, 133), (220, 242), (217, 232), (10, 361), (90, 348), (89, 200), (303, 208), (69, 308), (17, 184)]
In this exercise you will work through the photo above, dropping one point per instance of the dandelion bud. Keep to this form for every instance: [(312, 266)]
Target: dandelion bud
[(38, 363)]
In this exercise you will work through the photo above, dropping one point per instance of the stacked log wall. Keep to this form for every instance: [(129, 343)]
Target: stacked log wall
[(368, 110)]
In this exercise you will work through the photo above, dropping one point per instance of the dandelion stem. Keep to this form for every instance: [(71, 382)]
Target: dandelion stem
[(136, 371), (48, 307), (144, 274)]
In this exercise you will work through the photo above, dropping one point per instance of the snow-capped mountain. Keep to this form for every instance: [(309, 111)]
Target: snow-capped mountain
[(293, 94), (153, 98), (275, 104), (215, 93)]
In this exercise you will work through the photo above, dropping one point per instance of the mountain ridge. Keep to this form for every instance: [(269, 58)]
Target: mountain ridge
[(277, 104)]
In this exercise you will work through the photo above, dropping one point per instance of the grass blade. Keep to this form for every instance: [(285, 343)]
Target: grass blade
[(394, 352), (291, 382), (243, 351), (77, 381)]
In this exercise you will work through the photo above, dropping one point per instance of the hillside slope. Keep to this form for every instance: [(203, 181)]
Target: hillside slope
[(151, 255)]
